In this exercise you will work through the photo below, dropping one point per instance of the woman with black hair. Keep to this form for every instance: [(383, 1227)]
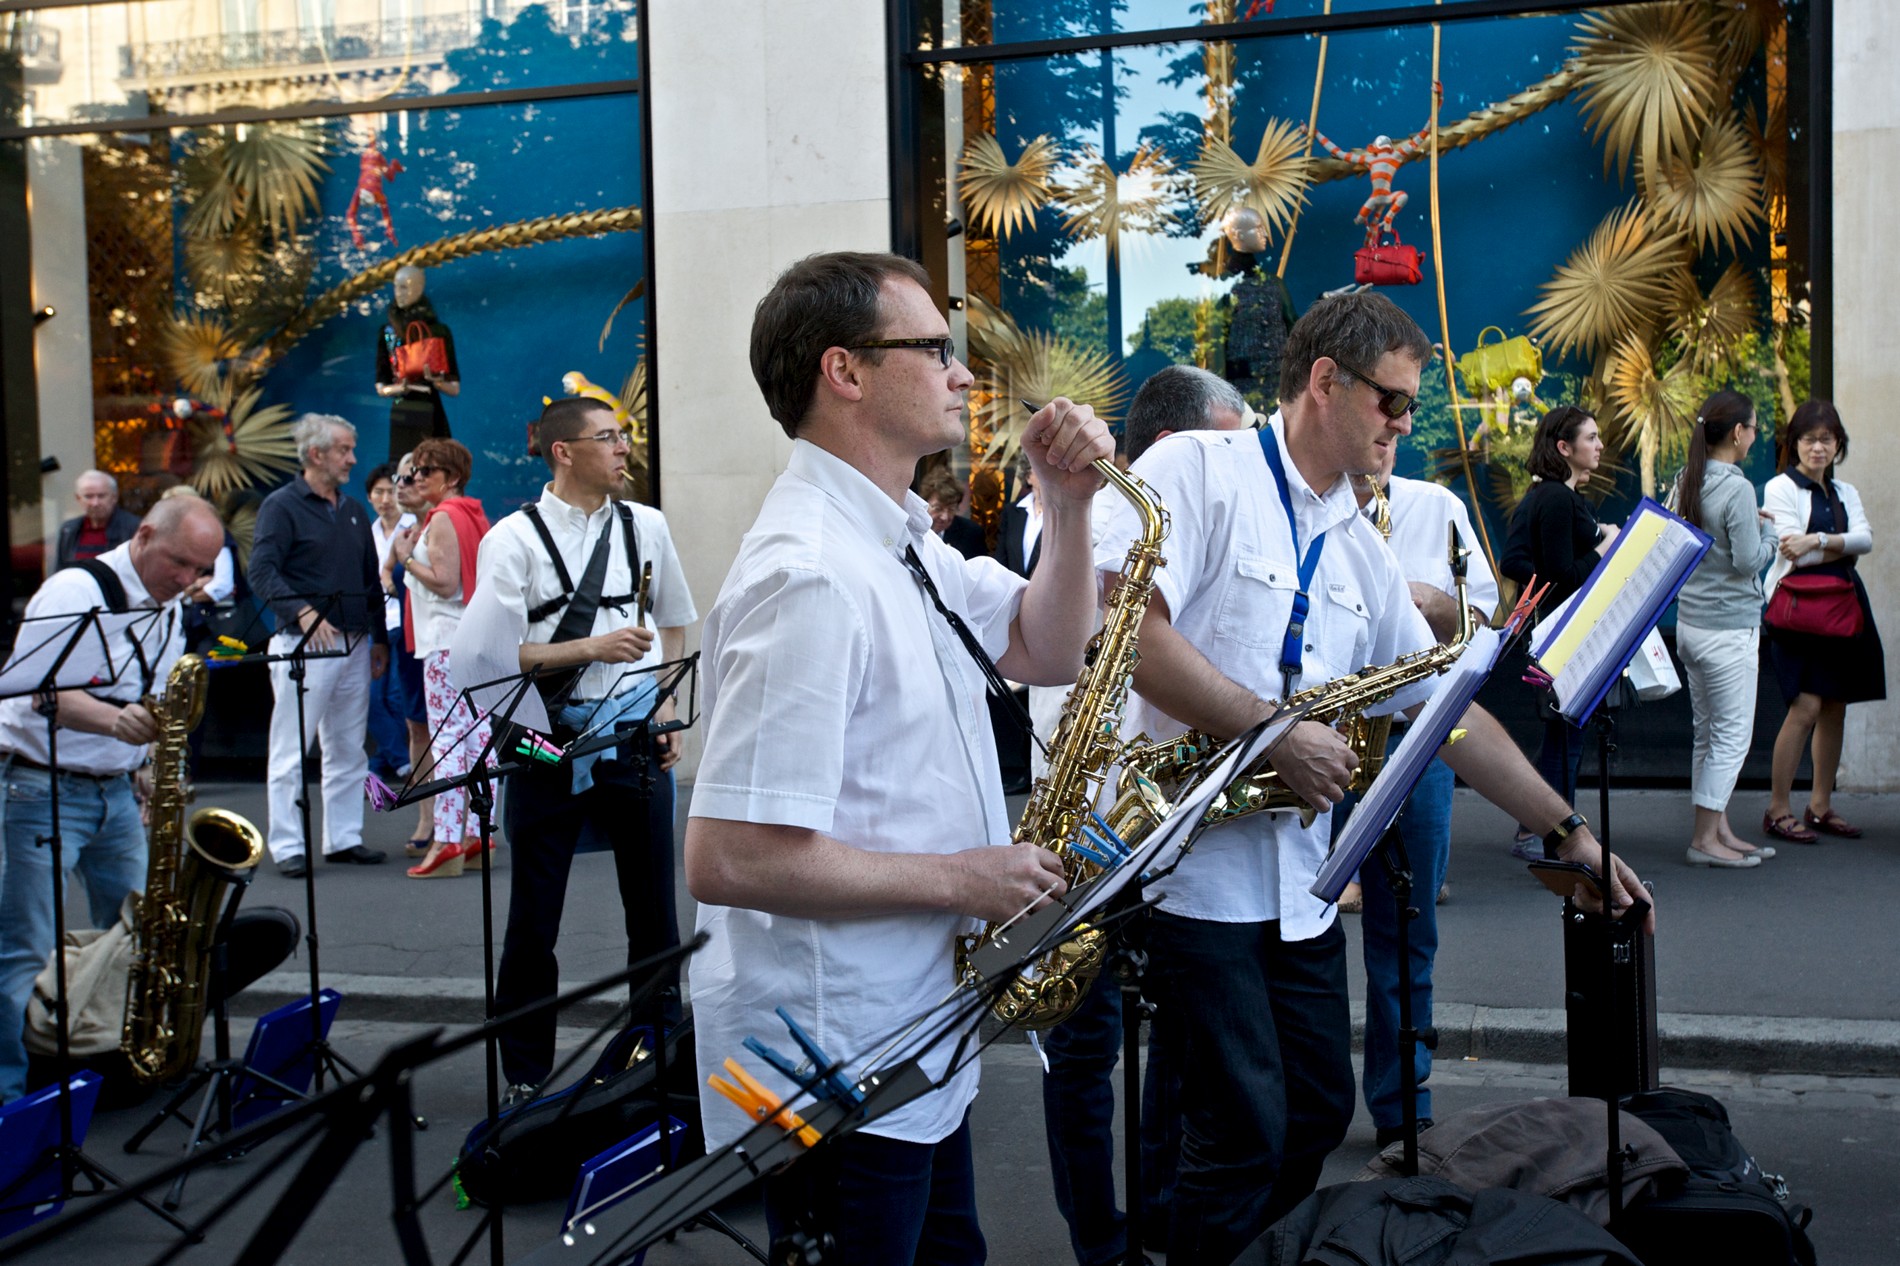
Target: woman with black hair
[(1823, 532), (1555, 537), (1718, 620)]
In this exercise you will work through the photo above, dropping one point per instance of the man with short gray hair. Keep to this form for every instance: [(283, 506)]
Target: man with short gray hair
[(1181, 398), (314, 561), (101, 526)]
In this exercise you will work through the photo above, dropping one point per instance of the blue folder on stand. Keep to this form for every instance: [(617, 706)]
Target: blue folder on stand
[(607, 1179), (280, 1048), (29, 1131)]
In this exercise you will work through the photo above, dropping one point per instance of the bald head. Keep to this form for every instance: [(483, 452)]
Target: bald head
[(176, 544)]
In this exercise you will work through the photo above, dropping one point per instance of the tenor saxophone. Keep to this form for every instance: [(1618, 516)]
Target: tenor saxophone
[(1084, 750), (189, 864), (1152, 773)]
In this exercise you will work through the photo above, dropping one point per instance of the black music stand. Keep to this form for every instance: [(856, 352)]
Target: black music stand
[(51, 655), (323, 1055), (216, 1076)]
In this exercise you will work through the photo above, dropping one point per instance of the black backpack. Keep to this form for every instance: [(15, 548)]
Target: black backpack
[(1727, 1210)]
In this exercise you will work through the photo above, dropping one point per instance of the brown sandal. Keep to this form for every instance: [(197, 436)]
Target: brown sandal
[(1831, 823), (1787, 827)]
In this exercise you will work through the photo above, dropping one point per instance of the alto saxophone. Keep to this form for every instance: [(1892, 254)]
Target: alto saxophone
[(189, 864), (1084, 749), (1153, 772)]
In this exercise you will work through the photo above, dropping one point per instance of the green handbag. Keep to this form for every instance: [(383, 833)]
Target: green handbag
[(1485, 368)]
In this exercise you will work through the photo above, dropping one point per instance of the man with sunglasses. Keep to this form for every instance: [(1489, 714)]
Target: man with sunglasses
[(573, 562), (1275, 583), (848, 819)]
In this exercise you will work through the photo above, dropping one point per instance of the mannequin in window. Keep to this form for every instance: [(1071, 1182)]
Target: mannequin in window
[(414, 394), (1262, 311)]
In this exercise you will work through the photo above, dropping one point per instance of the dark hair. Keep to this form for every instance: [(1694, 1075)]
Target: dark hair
[(1814, 415), (940, 485), (1560, 425), (1178, 398), (447, 456), (563, 419), (1354, 330), (830, 300), (385, 471), (1715, 421)]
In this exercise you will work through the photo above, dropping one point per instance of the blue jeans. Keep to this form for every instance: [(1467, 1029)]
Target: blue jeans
[(1078, 1115), (1425, 829), (100, 837), (1261, 1032), (388, 726), (886, 1201)]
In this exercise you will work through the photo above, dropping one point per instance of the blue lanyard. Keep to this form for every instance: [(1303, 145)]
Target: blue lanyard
[(1291, 644)]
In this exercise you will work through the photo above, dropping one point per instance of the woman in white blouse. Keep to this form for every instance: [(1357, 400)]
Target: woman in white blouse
[(1823, 531)]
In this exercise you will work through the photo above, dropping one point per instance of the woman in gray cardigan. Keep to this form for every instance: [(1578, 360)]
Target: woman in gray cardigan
[(1718, 621)]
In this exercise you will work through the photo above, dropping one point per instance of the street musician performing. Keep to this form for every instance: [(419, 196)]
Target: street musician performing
[(848, 742), (1275, 587)]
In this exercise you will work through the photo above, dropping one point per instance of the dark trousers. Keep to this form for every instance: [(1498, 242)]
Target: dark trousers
[(886, 1202), (1560, 756), (545, 822), (1078, 1116), (1262, 1036)]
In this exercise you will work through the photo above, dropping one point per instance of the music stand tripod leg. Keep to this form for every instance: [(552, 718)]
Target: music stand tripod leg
[(1398, 874)]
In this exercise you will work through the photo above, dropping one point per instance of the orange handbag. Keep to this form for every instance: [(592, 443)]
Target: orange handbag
[(1388, 264), (420, 354)]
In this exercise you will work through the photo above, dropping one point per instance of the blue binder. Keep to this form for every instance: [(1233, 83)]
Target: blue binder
[(29, 1131)]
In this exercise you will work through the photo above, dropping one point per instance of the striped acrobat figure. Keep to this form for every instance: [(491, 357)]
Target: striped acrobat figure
[(1381, 160)]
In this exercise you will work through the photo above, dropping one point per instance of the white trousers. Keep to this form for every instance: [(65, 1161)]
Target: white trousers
[(336, 711), (1722, 666)]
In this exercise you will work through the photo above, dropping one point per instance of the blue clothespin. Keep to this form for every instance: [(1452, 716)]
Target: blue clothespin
[(817, 1075)]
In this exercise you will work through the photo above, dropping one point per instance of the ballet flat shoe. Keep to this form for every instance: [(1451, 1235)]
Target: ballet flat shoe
[(1696, 857)]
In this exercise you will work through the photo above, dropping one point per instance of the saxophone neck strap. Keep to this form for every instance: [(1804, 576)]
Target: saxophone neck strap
[(1292, 644), (998, 686)]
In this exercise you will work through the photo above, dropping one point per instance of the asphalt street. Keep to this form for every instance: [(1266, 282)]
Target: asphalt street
[(1775, 986)]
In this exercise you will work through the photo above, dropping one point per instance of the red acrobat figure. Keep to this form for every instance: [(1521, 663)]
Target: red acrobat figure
[(374, 169), (1381, 160)]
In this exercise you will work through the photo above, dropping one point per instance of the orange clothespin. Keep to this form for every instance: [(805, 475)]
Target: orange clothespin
[(761, 1104)]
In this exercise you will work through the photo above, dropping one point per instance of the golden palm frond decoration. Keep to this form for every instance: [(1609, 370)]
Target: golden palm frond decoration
[(1001, 195), (1106, 204), (243, 527), (1217, 59), (1655, 409), (1612, 285), (264, 172), (1648, 77), (224, 262), (1740, 28), (1274, 184), (1713, 192), (251, 446), (197, 350), (1709, 326), (1769, 136), (1020, 364), (633, 399)]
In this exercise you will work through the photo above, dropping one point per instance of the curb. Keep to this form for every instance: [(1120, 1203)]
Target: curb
[(1743, 1044)]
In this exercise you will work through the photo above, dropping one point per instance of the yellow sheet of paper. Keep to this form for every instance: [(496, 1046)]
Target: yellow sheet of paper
[(1638, 539)]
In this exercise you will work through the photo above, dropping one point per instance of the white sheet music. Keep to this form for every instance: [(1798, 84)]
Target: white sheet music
[(102, 653)]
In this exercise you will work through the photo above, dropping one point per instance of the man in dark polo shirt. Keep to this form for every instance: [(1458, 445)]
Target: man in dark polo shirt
[(314, 560)]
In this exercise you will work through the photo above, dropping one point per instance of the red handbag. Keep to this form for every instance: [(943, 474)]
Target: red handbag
[(1821, 605), (420, 354), (1388, 264)]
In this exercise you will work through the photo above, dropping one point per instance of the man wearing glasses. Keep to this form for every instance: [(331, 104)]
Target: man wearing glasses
[(573, 563), (848, 817), (1275, 583)]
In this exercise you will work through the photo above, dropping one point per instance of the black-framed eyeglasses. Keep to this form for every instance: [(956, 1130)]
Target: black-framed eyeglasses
[(945, 347), (1394, 404), (416, 474)]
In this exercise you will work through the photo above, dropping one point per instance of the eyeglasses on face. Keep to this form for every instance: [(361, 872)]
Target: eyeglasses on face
[(944, 346), (1394, 404), (611, 438), (416, 475)]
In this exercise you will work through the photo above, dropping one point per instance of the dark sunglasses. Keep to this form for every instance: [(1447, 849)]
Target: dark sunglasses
[(945, 347), (415, 473), (1394, 404)]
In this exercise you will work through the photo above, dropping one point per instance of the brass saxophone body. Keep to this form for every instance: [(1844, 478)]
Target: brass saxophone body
[(1083, 751), (1153, 772), (190, 863)]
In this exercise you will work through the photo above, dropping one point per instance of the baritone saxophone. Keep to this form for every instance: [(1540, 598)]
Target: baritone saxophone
[(190, 864), (1083, 751)]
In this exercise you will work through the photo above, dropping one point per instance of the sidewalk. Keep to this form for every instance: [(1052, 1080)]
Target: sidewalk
[(1782, 969)]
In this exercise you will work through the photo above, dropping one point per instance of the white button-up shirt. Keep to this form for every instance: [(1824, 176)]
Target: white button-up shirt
[(515, 562), (161, 641), (392, 604), (839, 700), (1420, 511), (1231, 574)]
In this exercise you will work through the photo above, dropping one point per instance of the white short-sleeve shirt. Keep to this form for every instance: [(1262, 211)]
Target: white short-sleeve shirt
[(1420, 511), (1229, 582), (837, 699)]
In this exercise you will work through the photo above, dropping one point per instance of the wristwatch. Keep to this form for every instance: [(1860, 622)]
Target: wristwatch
[(1554, 839)]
